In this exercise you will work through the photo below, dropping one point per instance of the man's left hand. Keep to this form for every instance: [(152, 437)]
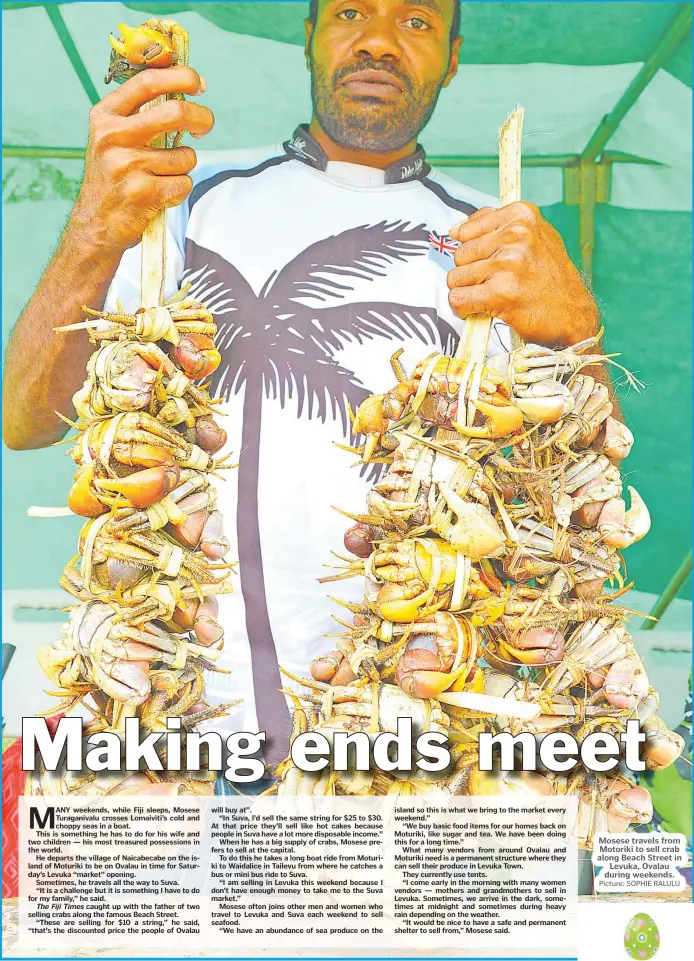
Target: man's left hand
[(513, 265)]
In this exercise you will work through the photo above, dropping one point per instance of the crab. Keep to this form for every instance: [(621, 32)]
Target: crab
[(96, 651), (154, 44), (415, 577), (442, 392), (127, 375), (424, 658)]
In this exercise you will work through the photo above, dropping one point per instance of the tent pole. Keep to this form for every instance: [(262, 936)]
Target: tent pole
[(668, 43), (68, 43), (44, 153), (588, 174), (451, 160), (670, 592)]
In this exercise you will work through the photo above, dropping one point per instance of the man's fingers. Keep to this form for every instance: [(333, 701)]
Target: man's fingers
[(167, 117), (481, 222), (480, 248), (485, 220), (148, 192), (470, 274), (174, 190), (165, 163), (148, 85), (470, 300)]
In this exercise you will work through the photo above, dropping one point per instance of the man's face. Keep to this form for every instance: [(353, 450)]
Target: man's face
[(377, 67)]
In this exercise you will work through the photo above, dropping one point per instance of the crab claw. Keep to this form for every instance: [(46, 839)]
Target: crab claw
[(392, 606), (81, 499), (333, 669), (197, 355), (125, 681), (145, 487), (207, 628), (196, 509), (184, 615), (419, 673), (326, 667), (618, 439), (370, 417), (662, 746), (200, 617), (370, 447), (476, 533), (117, 44), (588, 514), (143, 46), (371, 420), (213, 543), (500, 421), (631, 804), (538, 646), (387, 506), (621, 528), (626, 683), (547, 403)]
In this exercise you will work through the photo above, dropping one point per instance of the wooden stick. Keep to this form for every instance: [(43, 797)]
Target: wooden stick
[(153, 268), (474, 339), (475, 336), (154, 242)]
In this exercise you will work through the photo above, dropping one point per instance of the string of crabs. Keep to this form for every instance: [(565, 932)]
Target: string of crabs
[(484, 549), (151, 553)]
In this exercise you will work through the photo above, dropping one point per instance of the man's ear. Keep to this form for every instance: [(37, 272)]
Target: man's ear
[(308, 28), (453, 65)]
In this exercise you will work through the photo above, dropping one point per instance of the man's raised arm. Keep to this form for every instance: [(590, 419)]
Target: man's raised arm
[(125, 183)]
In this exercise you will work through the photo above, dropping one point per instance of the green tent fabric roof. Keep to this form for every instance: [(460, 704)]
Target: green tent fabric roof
[(568, 63), (585, 34)]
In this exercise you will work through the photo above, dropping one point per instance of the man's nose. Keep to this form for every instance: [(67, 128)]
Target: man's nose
[(378, 39)]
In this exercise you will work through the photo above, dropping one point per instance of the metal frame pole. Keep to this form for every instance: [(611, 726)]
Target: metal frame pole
[(586, 218), (675, 33), (670, 592), (43, 153), (451, 160), (65, 37)]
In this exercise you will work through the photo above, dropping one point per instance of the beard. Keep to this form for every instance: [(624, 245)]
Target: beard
[(371, 124)]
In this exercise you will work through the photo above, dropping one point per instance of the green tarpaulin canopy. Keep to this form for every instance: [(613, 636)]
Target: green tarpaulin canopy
[(607, 155)]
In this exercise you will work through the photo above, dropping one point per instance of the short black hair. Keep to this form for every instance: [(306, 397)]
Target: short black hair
[(455, 25)]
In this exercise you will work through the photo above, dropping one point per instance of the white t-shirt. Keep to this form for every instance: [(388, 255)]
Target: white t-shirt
[(316, 272)]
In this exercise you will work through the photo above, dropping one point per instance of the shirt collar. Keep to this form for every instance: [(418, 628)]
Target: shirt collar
[(305, 148)]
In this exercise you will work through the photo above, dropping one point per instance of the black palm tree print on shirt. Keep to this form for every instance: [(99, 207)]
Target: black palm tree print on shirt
[(274, 346)]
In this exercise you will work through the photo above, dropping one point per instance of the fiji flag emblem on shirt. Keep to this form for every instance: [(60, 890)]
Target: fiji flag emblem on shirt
[(442, 249)]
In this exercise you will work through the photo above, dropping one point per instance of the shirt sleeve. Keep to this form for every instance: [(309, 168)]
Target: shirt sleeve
[(125, 286)]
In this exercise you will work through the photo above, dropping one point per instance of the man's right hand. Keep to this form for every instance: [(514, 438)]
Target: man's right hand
[(125, 180)]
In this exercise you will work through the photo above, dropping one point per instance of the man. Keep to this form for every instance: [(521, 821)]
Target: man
[(319, 258)]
